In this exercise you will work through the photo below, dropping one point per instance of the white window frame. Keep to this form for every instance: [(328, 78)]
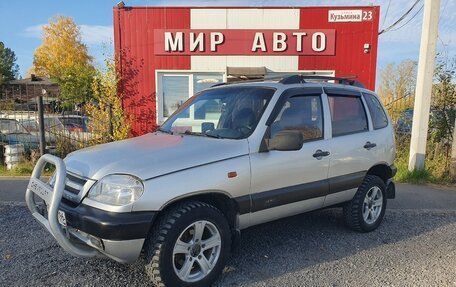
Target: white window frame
[(159, 89)]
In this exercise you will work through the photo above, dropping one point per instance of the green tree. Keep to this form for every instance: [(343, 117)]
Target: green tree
[(9, 70), (443, 101), (63, 57)]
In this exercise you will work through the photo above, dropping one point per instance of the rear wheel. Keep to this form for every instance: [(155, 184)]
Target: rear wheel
[(188, 246), (365, 211)]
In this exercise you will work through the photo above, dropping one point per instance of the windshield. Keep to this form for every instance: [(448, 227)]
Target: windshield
[(231, 112), (11, 127)]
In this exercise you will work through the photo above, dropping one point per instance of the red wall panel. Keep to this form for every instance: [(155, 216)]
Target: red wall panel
[(133, 40), (349, 59)]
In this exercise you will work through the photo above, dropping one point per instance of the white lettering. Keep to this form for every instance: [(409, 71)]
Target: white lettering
[(176, 44), (217, 38), (318, 42), (299, 36), (279, 44), (198, 42), (258, 42), (345, 16)]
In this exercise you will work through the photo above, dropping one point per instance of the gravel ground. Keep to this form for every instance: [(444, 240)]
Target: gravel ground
[(411, 248)]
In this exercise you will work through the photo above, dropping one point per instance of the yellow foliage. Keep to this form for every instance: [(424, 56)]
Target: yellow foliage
[(107, 119), (61, 50), (63, 57)]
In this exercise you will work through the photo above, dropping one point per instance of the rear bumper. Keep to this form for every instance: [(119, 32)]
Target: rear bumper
[(89, 231), (390, 189), (393, 170)]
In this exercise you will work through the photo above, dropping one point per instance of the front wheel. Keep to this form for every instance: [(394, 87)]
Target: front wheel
[(188, 246), (365, 211)]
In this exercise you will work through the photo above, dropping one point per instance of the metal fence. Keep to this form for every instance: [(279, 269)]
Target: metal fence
[(438, 150), (33, 112)]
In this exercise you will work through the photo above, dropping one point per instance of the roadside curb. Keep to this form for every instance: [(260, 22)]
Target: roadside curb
[(12, 203), (19, 177)]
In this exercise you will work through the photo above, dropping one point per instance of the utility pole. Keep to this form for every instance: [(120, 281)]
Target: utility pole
[(453, 154), (424, 84), (41, 125)]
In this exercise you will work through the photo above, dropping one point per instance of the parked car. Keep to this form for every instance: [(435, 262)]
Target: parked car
[(75, 123), (12, 132), (52, 128), (77, 126), (231, 157)]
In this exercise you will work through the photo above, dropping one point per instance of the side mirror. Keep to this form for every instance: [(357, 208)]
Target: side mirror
[(286, 140)]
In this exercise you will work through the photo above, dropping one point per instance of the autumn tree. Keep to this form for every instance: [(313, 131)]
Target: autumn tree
[(63, 57), (108, 121), (398, 81), (9, 70)]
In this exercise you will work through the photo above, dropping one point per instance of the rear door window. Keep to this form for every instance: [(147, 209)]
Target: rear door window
[(347, 114), (378, 115)]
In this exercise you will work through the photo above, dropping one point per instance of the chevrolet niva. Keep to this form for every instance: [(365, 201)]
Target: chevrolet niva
[(232, 156)]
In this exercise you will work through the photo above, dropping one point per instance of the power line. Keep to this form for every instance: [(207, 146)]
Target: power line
[(386, 14), (414, 15), (400, 18)]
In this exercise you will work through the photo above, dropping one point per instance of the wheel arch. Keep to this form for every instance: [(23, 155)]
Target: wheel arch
[(382, 170), (229, 207)]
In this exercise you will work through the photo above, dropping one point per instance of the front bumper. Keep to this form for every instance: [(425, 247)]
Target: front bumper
[(89, 231)]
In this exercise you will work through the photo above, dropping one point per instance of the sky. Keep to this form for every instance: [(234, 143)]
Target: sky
[(21, 22)]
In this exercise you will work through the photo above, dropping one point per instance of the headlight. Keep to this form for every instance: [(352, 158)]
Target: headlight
[(117, 189)]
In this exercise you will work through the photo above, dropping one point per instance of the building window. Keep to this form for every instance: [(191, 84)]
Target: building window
[(205, 81), (175, 88), (175, 93)]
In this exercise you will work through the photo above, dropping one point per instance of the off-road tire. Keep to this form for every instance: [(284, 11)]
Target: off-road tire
[(353, 210), (160, 243)]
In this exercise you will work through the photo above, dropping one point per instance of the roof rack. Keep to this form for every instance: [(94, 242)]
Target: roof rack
[(298, 79), (242, 80)]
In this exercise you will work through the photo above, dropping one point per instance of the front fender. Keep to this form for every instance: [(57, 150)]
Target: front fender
[(210, 178)]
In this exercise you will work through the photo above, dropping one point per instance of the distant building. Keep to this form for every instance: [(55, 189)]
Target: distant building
[(22, 94)]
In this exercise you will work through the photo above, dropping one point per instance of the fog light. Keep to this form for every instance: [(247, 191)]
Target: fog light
[(96, 242)]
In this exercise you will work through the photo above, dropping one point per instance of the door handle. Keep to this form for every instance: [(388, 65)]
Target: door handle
[(319, 154), (369, 145)]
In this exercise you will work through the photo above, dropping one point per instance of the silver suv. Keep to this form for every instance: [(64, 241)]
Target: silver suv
[(231, 157)]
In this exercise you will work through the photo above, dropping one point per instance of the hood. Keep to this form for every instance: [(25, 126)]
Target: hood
[(152, 155)]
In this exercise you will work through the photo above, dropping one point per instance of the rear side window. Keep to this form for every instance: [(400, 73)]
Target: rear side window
[(377, 113), (347, 115)]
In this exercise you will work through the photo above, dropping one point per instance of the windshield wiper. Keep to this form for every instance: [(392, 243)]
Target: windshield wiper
[(165, 131), (187, 132), (214, 136)]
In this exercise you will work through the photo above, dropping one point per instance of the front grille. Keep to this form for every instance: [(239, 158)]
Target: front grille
[(74, 184)]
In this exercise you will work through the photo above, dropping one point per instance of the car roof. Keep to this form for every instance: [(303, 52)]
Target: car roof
[(282, 86)]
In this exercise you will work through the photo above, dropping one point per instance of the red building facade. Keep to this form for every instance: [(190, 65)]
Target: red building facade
[(166, 54)]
